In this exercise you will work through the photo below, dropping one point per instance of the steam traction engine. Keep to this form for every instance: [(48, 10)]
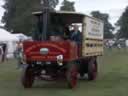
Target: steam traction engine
[(62, 59)]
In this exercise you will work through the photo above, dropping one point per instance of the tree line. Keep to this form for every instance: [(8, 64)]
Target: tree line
[(18, 17)]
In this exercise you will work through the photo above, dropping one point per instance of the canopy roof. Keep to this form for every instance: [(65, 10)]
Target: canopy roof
[(66, 17), (60, 12), (21, 36), (67, 14), (6, 36)]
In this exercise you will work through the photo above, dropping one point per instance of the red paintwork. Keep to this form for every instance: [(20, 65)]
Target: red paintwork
[(66, 48)]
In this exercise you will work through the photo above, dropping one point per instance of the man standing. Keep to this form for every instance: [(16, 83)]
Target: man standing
[(4, 47), (1, 53), (19, 50), (76, 35)]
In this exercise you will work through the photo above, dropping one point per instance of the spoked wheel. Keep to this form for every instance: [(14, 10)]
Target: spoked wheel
[(92, 69), (28, 77), (71, 75)]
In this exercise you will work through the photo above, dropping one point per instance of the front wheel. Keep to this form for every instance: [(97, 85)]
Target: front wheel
[(28, 77), (71, 75), (92, 69)]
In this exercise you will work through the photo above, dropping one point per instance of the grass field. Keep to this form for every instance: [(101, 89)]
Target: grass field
[(112, 80)]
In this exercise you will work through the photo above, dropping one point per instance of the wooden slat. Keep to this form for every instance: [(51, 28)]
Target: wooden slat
[(92, 47)]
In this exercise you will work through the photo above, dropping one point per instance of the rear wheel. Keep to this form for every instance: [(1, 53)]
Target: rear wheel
[(92, 69), (28, 77), (71, 75), (83, 67), (82, 74)]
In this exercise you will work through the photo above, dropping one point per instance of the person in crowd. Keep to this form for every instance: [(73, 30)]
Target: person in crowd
[(1, 53), (4, 48), (18, 52)]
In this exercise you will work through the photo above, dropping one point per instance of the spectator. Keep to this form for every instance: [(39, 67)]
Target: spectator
[(119, 46), (18, 53), (1, 53), (4, 48)]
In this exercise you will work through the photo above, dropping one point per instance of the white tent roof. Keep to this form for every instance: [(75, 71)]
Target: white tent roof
[(6, 36), (21, 36)]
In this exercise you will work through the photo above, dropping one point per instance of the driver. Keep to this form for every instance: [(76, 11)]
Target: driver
[(56, 33), (76, 35)]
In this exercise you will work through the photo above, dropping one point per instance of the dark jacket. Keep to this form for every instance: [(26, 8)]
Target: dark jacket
[(77, 37)]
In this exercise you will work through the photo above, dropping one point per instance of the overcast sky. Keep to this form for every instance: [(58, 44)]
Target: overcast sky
[(113, 7)]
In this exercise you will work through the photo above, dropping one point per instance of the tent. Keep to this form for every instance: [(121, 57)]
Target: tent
[(21, 36), (126, 43), (10, 40), (6, 36)]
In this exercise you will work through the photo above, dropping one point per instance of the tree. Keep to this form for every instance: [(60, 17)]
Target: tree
[(18, 14), (108, 28), (122, 24), (67, 6)]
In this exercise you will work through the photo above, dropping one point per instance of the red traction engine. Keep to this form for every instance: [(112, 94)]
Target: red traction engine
[(50, 61), (61, 60)]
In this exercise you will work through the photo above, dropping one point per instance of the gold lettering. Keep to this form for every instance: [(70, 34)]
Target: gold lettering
[(45, 44)]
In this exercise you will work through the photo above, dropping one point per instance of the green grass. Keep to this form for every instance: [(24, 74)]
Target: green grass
[(112, 80)]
